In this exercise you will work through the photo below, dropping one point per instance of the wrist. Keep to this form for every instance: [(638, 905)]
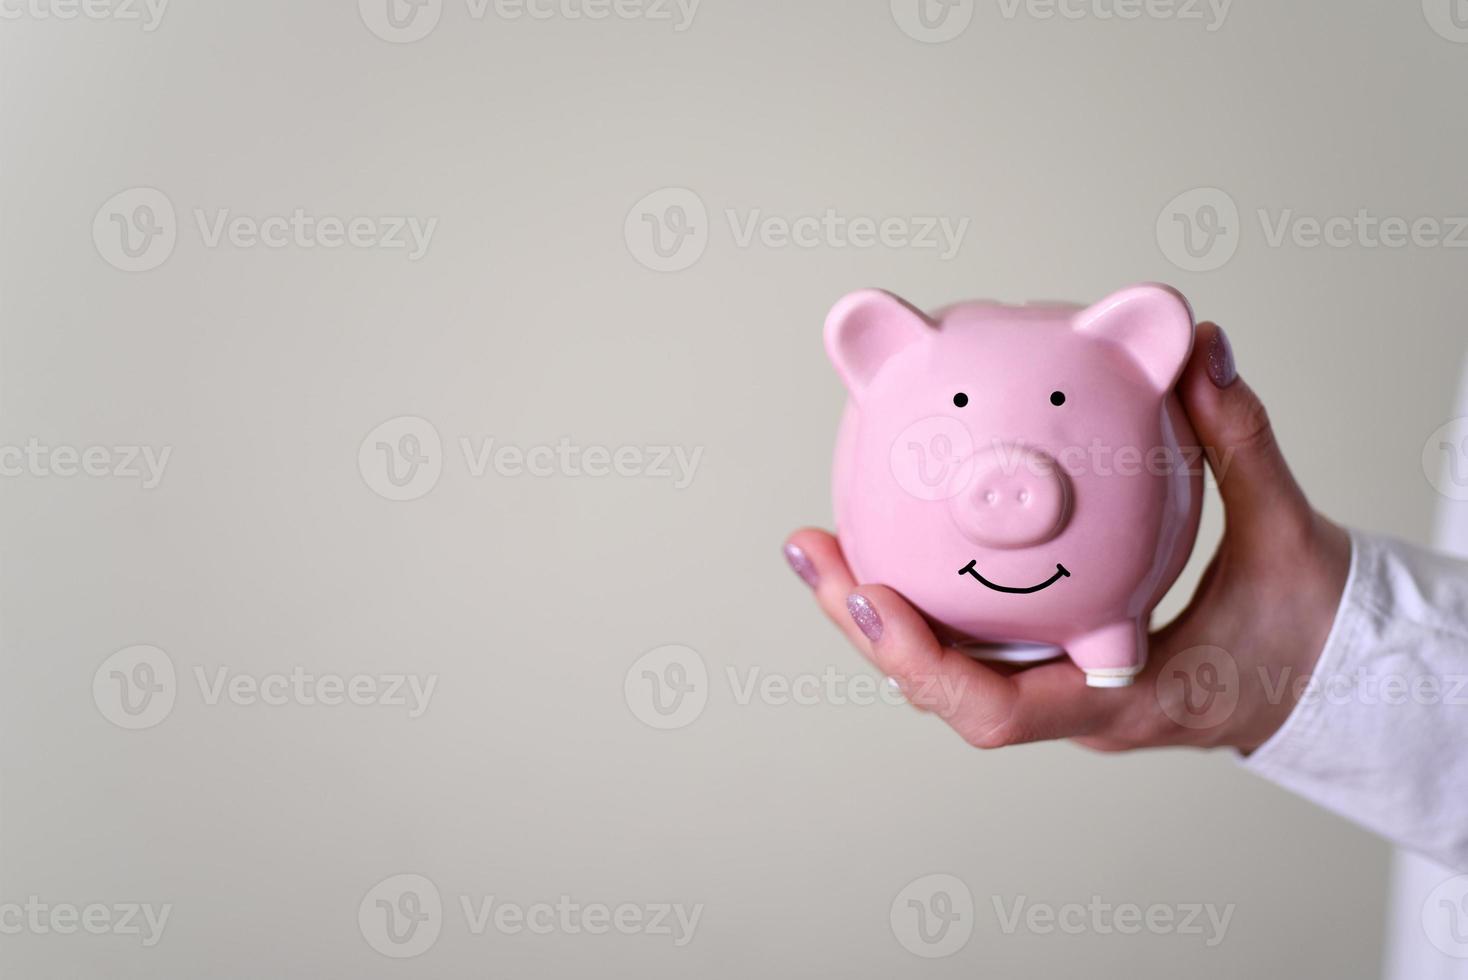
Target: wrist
[(1301, 633)]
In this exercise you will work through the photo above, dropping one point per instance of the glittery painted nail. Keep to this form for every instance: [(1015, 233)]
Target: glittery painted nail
[(1221, 369), (865, 615), (801, 562)]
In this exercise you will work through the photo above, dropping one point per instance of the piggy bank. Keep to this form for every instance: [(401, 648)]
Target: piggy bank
[(1024, 475)]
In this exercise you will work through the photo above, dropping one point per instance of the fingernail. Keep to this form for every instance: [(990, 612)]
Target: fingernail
[(1221, 369), (865, 615), (801, 562)]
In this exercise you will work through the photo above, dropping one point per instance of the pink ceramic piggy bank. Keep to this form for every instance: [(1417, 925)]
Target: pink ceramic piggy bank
[(1025, 476)]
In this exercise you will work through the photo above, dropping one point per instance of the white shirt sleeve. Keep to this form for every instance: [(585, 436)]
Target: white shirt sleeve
[(1380, 735)]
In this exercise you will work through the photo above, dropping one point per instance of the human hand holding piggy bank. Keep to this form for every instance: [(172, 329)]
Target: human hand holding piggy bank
[(1025, 476)]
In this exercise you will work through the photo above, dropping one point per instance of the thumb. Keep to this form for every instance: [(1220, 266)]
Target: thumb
[(1260, 495)]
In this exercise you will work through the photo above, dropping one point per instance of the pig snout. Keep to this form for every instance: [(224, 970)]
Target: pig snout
[(1013, 497)]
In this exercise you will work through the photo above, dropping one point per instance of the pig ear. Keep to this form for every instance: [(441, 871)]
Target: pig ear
[(865, 329), (1152, 323)]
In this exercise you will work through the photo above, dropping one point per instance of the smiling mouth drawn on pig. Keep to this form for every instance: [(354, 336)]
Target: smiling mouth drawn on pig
[(972, 569)]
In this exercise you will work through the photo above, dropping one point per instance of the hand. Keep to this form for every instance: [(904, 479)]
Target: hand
[(1268, 600)]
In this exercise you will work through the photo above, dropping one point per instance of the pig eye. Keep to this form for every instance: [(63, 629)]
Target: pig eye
[(960, 399), (1057, 398)]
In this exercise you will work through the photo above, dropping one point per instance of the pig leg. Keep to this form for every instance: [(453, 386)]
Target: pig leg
[(1112, 655)]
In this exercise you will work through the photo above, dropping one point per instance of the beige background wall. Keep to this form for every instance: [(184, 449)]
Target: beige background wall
[(532, 316)]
